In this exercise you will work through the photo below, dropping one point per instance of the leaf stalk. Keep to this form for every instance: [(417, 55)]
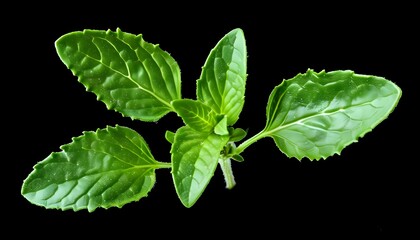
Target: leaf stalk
[(250, 141)]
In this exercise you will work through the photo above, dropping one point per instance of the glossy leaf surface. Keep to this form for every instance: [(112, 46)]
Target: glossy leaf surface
[(106, 168), (129, 75), (222, 82), (196, 114), (194, 159), (316, 115)]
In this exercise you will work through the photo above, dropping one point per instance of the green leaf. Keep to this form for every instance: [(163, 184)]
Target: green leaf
[(194, 159), (222, 82), (129, 75), (170, 136), (236, 134), (195, 114), (221, 126), (238, 158), (316, 115), (106, 168)]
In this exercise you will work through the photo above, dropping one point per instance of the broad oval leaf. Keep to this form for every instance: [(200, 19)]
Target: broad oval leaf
[(195, 114), (129, 75), (106, 168), (222, 81), (316, 115), (195, 157)]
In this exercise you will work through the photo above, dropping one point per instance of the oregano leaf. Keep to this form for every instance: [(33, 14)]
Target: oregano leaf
[(107, 168), (195, 114), (222, 82), (316, 115), (313, 115), (131, 76), (194, 159)]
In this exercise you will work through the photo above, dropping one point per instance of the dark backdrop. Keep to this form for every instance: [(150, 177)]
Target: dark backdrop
[(368, 190)]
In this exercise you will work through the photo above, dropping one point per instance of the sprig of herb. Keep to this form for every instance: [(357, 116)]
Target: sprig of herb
[(313, 115)]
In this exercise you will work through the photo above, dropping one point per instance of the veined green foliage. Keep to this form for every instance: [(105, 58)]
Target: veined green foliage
[(196, 114), (106, 168), (195, 157), (316, 115), (222, 82), (313, 115), (129, 75)]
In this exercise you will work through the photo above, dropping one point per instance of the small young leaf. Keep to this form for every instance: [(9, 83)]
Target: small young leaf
[(238, 158), (316, 115), (236, 134), (169, 136), (194, 159), (222, 82), (195, 114), (106, 168), (129, 75), (221, 126)]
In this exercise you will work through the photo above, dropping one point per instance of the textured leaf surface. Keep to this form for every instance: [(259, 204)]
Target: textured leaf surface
[(195, 114), (222, 81), (129, 75), (194, 159), (316, 115), (106, 168)]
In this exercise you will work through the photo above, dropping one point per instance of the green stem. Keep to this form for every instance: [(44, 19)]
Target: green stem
[(250, 141), (226, 166), (164, 165)]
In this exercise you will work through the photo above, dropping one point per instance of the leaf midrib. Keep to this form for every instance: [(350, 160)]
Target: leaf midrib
[(303, 119), (199, 116), (129, 76)]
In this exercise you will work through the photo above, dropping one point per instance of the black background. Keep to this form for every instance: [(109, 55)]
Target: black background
[(368, 190)]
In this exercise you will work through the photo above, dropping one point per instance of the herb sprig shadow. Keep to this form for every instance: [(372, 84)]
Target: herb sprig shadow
[(313, 115)]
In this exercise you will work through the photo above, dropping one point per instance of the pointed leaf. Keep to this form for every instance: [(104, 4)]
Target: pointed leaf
[(222, 82), (238, 158), (195, 114), (316, 115), (194, 159), (129, 75), (106, 168)]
